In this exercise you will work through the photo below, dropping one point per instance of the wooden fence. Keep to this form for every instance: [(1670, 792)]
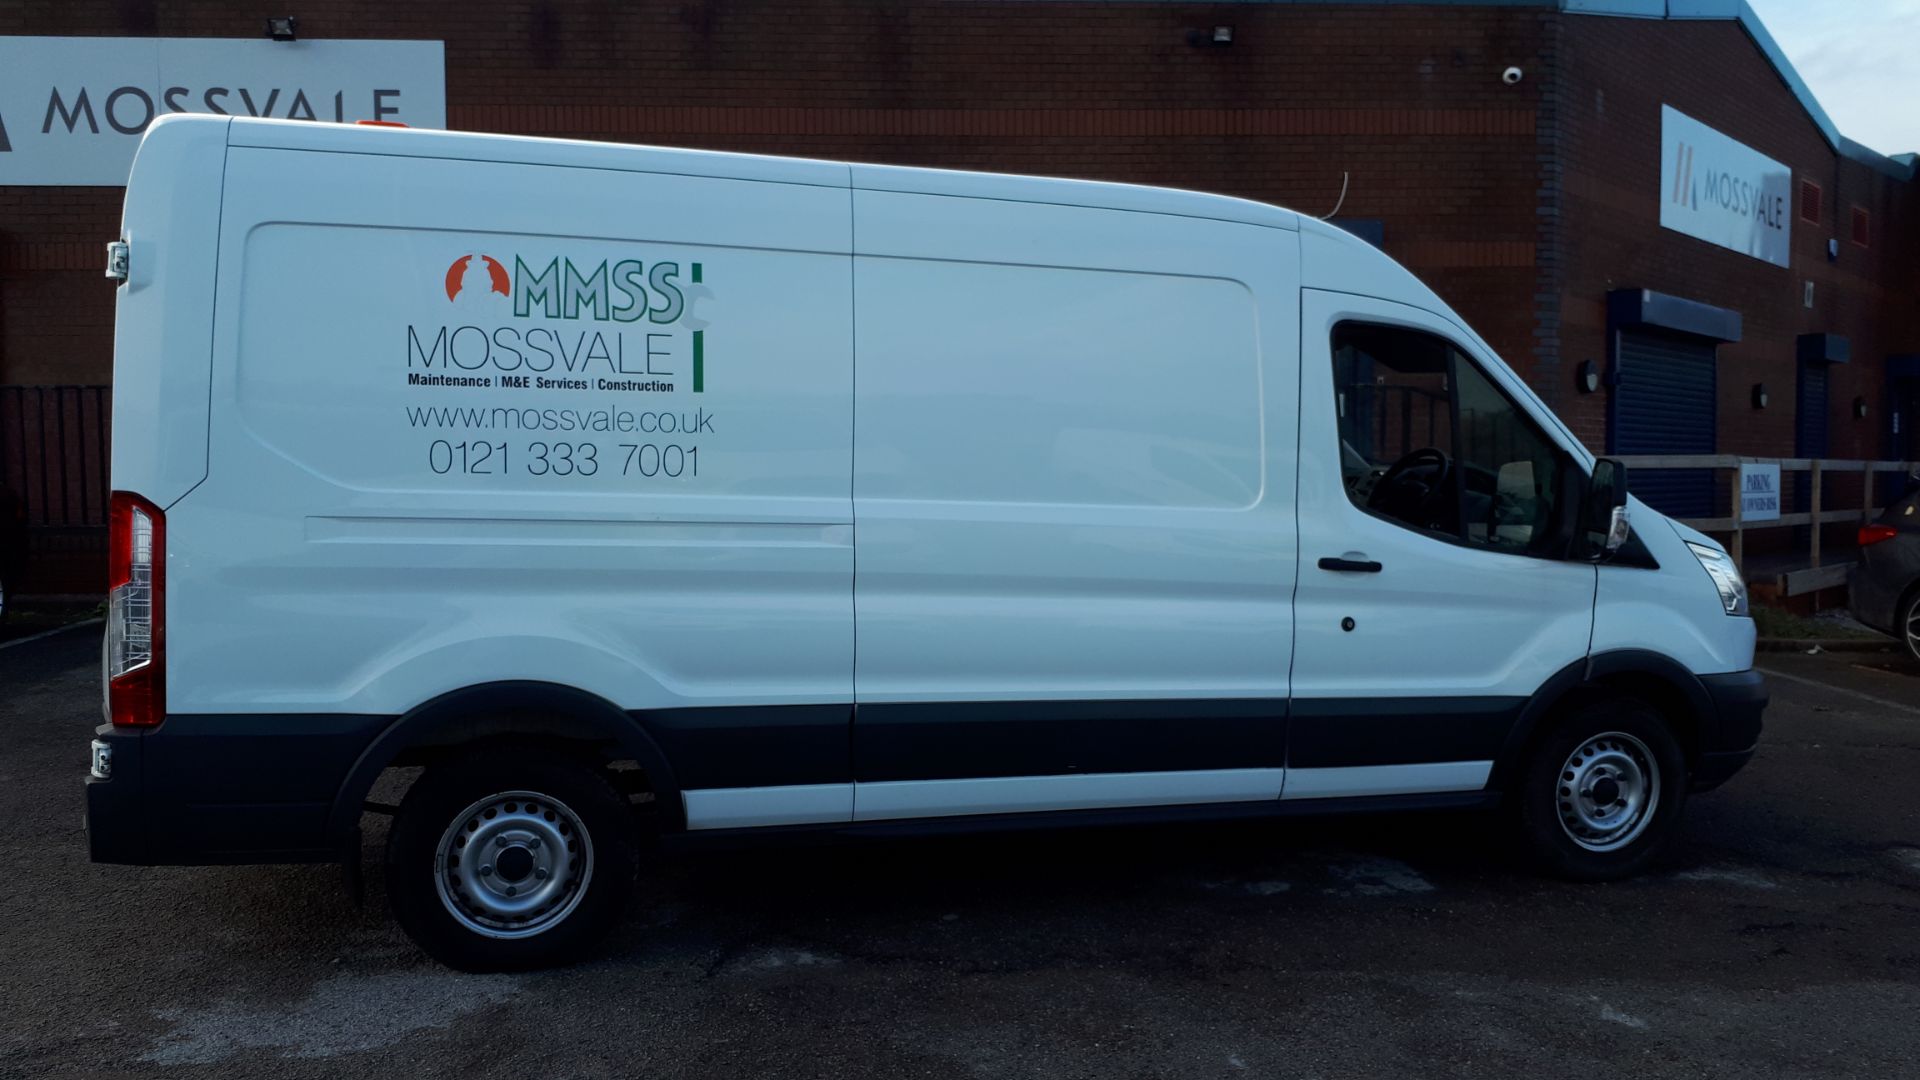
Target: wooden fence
[(1816, 574)]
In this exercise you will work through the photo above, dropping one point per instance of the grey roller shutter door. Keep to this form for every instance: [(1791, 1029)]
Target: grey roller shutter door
[(1664, 404)]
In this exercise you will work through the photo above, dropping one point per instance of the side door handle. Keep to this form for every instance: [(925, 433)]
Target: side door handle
[(1350, 566)]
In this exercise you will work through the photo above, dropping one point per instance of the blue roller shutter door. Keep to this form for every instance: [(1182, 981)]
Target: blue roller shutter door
[(1810, 412), (1664, 404)]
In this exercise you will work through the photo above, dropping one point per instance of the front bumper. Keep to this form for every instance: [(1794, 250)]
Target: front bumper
[(1729, 736)]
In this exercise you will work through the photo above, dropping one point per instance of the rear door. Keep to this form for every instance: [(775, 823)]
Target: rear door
[(1073, 499), (1434, 598)]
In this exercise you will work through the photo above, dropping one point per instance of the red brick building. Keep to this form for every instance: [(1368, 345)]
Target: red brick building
[(1532, 205)]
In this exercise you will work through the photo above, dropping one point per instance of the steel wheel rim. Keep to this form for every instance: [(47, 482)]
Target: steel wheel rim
[(1607, 791), (1913, 630), (513, 864)]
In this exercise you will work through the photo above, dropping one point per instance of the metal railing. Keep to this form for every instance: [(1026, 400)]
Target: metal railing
[(53, 456), (1814, 576), (53, 452)]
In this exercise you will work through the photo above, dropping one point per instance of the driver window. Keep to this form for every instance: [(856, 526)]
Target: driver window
[(1396, 424), (1429, 441)]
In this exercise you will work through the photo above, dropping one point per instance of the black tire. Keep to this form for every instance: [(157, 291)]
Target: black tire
[(585, 813), (1550, 809), (1904, 620)]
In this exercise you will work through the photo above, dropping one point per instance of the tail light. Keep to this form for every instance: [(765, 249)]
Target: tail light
[(136, 611), (1873, 534)]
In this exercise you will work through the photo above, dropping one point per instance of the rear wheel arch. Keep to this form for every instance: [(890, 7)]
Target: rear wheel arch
[(491, 713)]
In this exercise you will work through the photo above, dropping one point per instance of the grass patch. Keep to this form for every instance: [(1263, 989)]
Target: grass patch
[(1773, 622)]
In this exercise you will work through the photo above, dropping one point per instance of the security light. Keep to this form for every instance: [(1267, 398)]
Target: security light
[(1589, 377), (1759, 395), (285, 28), (1223, 35), (1859, 408)]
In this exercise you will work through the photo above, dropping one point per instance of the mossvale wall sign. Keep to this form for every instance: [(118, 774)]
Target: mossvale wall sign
[(1724, 192), (72, 108)]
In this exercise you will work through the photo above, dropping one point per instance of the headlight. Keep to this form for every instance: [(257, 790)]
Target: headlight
[(1726, 577)]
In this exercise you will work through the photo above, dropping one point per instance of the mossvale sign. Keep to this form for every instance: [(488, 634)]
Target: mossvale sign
[(72, 109), (1724, 192)]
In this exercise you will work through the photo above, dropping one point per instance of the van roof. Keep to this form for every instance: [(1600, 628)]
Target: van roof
[(519, 149)]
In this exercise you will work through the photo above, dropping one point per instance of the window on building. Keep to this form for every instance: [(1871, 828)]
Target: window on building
[(1810, 201), (1427, 440), (1861, 224)]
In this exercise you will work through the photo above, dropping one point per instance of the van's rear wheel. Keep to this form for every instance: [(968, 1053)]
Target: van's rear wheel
[(1602, 794), (510, 859)]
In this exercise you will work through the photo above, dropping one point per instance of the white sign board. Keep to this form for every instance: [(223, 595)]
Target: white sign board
[(1723, 192), (1759, 493), (72, 108)]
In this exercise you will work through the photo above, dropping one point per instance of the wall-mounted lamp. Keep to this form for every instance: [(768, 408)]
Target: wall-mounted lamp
[(1220, 37), (284, 28), (1759, 395), (1589, 377), (1859, 408)]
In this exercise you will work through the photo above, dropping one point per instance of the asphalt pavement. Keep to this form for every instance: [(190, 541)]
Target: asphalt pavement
[(1781, 938)]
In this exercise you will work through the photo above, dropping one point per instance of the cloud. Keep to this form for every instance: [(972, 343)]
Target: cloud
[(1859, 60)]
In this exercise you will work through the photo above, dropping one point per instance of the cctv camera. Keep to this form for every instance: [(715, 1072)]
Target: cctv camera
[(1512, 76)]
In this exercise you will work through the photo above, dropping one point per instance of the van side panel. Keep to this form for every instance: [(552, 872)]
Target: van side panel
[(477, 422), (163, 315), (1073, 489)]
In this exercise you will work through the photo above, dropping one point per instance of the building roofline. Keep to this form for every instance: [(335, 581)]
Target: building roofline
[(1899, 166), (1740, 11)]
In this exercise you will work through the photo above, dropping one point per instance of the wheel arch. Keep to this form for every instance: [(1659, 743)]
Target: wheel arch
[(495, 711), (1662, 681)]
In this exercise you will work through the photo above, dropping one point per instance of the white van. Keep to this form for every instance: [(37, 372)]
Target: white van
[(620, 486)]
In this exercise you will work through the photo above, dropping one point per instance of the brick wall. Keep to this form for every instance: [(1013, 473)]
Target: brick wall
[(56, 310), (1406, 100), (1521, 205), (1618, 72)]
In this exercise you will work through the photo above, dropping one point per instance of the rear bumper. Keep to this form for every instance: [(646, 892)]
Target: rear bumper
[(1871, 600), (1729, 736), (201, 790)]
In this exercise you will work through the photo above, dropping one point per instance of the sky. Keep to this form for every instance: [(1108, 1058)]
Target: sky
[(1862, 60)]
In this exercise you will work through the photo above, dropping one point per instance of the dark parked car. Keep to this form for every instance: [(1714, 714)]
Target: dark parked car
[(13, 542), (1884, 588)]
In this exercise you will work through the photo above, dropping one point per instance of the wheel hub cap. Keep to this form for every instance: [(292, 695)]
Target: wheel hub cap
[(513, 864), (1608, 791)]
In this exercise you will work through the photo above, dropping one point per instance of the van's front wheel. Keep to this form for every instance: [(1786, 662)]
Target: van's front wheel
[(510, 860), (1602, 794)]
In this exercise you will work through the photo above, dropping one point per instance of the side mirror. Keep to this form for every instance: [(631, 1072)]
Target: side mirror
[(1604, 512)]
